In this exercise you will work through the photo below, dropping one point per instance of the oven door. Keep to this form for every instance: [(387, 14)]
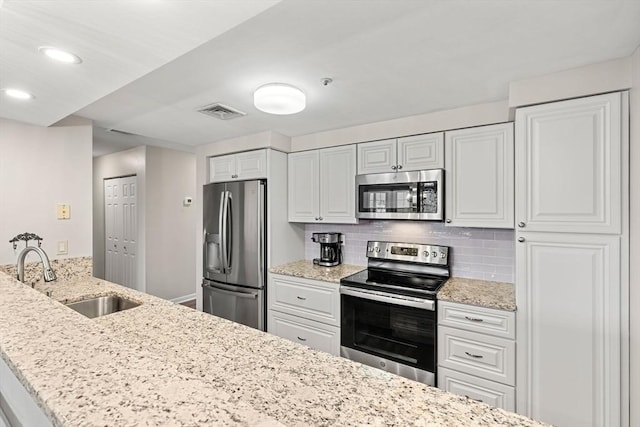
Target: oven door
[(390, 332)]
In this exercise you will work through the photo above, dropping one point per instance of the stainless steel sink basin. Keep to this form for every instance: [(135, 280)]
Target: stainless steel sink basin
[(101, 306)]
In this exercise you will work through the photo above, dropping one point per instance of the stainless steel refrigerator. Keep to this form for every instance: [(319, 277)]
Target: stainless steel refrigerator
[(234, 262)]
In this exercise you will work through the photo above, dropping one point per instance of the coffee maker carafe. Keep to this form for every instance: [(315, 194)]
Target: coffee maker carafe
[(330, 249)]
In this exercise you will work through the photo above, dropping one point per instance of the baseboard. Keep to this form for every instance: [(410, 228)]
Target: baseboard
[(184, 298)]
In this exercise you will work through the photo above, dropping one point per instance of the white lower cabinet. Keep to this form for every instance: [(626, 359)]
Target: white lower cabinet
[(305, 311), (477, 353), (17, 407)]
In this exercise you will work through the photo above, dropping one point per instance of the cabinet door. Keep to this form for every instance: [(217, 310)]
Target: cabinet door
[(251, 165), (303, 186), (421, 152), (377, 156), (568, 157), (315, 300), (17, 405), (478, 389), (306, 332), (222, 168), (480, 177), (338, 185), (568, 328)]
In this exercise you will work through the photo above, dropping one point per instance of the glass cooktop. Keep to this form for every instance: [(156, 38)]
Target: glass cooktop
[(424, 286)]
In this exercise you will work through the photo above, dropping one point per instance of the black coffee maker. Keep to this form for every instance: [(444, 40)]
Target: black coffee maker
[(330, 249)]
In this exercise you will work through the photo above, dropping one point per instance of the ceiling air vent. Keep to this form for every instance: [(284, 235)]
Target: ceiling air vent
[(221, 111)]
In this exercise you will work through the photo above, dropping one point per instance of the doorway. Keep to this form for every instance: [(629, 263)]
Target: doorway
[(121, 230)]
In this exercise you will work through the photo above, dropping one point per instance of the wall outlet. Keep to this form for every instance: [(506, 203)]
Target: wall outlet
[(63, 247), (64, 211)]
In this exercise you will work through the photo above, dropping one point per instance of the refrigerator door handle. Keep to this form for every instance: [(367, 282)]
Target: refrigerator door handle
[(261, 232), (250, 295), (222, 220), (229, 231)]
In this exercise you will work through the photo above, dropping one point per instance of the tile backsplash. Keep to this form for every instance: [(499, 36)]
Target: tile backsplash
[(477, 253)]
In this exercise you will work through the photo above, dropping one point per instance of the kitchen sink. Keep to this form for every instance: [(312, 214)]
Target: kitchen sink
[(101, 306)]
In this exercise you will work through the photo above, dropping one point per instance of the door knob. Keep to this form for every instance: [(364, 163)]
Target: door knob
[(520, 239)]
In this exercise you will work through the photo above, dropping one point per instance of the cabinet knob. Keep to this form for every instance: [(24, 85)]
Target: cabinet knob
[(520, 239), (448, 221), (399, 167), (320, 218), (521, 224), (316, 218), (394, 167)]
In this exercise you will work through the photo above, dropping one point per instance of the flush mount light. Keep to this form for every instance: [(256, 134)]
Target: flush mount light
[(279, 98), (60, 55), (17, 93)]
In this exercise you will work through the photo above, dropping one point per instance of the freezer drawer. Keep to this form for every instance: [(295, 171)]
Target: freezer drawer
[(236, 303)]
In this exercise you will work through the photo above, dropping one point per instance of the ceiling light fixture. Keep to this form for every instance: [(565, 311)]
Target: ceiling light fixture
[(60, 55), (279, 98), (17, 93)]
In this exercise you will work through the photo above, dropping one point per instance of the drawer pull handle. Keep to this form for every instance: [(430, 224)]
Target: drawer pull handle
[(301, 298), (471, 398), (475, 356), (302, 339), (473, 319)]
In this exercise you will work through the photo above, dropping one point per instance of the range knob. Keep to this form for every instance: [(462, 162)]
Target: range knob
[(370, 249), (377, 249), (425, 254), (434, 254), (442, 255)]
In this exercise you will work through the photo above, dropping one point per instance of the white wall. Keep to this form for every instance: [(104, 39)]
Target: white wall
[(123, 163), (39, 168), (170, 237), (474, 115), (634, 287)]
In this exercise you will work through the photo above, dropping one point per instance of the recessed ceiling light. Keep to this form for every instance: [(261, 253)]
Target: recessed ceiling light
[(60, 55), (17, 93), (279, 98)]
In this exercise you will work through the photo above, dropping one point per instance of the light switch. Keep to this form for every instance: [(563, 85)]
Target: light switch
[(63, 247), (64, 211)]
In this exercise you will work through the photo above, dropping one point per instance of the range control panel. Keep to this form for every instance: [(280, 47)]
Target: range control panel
[(411, 252)]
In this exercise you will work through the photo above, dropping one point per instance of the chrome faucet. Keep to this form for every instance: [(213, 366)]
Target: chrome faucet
[(49, 275)]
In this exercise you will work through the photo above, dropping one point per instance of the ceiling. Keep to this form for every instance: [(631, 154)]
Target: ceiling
[(150, 64)]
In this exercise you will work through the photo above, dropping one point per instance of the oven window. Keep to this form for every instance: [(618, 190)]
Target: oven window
[(404, 334)]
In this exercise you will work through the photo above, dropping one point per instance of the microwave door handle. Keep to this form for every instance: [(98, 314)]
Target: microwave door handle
[(386, 298)]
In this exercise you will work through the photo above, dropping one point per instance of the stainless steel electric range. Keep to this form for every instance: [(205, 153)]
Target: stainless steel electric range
[(389, 317)]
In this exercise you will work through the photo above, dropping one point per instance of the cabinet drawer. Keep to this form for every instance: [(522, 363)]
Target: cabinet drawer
[(499, 323), (311, 299), (312, 334), (488, 357), (489, 392)]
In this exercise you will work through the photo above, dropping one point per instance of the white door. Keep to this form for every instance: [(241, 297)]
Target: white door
[(480, 177), (568, 328), (121, 231), (337, 185), (569, 163), (303, 186), (377, 157), (421, 152)]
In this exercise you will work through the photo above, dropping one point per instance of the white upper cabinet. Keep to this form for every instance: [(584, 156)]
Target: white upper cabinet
[(568, 159), (418, 152), (322, 185), (480, 177), (304, 186), (241, 166)]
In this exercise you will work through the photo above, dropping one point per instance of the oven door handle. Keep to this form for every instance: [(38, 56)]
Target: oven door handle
[(402, 300)]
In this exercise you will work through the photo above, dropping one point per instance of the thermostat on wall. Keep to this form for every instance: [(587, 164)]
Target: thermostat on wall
[(187, 201)]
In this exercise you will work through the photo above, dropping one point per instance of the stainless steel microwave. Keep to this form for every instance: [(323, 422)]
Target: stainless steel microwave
[(401, 195)]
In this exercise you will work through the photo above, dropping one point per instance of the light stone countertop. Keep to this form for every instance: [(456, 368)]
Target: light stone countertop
[(308, 270), (166, 364), (481, 293)]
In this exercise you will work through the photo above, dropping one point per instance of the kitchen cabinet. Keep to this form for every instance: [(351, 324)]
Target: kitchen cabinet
[(418, 152), (477, 353), (305, 311), (570, 262), (479, 165), (17, 407), (322, 185), (241, 166)]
